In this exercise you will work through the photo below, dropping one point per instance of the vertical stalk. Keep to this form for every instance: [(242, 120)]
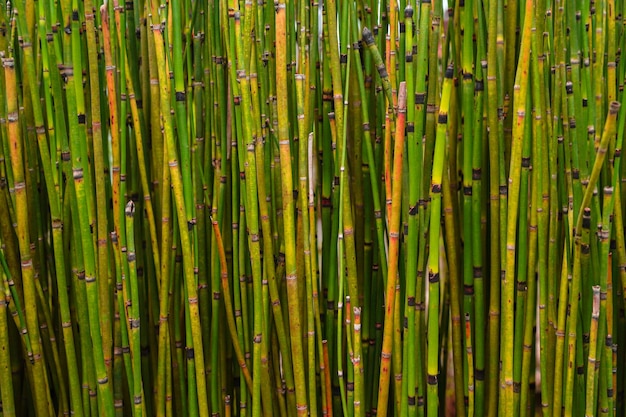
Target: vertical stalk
[(36, 365), (394, 249), (289, 211), (432, 398), (508, 280)]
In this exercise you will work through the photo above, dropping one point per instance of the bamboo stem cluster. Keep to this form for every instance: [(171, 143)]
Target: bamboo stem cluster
[(297, 208)]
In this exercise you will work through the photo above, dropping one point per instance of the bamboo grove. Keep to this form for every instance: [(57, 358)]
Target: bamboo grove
[(291, 208)]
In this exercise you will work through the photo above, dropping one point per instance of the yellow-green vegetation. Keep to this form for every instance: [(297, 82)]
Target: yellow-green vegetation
[(312, 207)]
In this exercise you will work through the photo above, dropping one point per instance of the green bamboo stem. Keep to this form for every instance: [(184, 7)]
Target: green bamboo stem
[(175, 39), (345, 382), (32, 323), (432, 399), (593, 362), (466, 23), (345, 376), (495, 132), (414, 157), (303, 149), (314, 274), (380, 66), (547, 212), (164, 355), (132, 306), (421, 109), (330, 219), (526, 252), (178, 362), (6, 384), (526, 394), (537, 234), (208, 186), (452, 254), (99, 182), (326, 167), (610, 350), (288, 214), (237, 285), (340, 369), (478, 216), (508, 281)]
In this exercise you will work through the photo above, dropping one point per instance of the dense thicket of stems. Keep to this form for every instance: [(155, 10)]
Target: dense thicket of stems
[(291, 208)]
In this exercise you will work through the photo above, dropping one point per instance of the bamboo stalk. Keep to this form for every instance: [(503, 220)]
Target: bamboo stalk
[(32, 323), (394, 243), (6, 384), (432, 400)]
